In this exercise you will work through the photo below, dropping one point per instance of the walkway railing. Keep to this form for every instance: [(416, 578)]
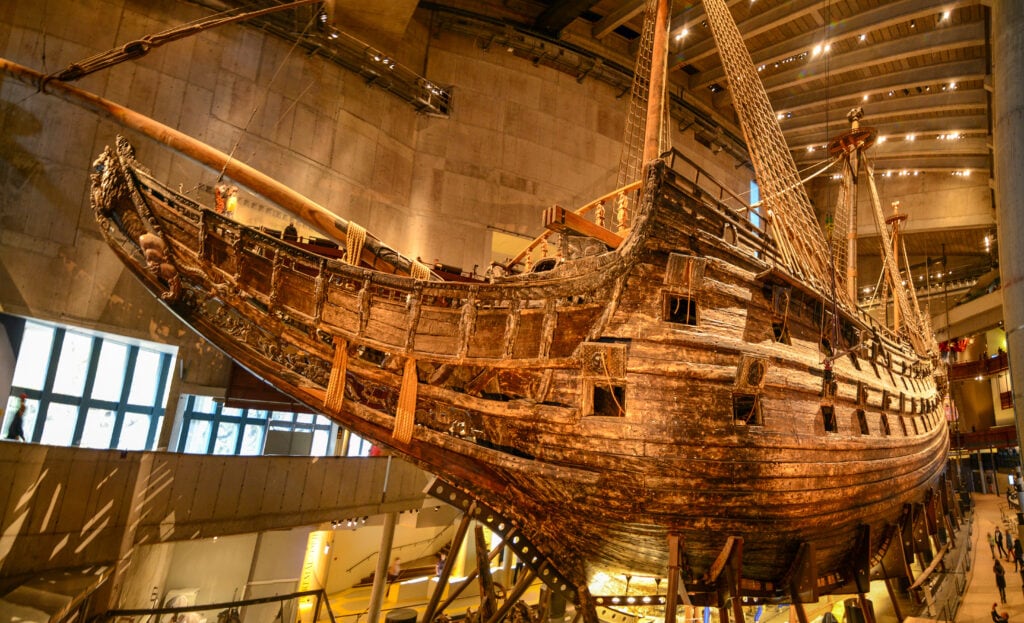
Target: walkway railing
[(231, 611)]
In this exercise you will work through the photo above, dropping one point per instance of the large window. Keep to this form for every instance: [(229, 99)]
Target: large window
[(209, 427), (90, 390)]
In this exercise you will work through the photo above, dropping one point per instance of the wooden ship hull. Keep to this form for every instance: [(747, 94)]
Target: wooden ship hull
[(671, 390)]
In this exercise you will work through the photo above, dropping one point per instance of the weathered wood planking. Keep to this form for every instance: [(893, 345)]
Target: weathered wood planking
[(575, 403)]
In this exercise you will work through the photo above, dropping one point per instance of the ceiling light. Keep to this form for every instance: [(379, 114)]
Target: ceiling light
[(682, 34), (810, 148), (865, 98), (816, 51), (952, 85), (945, 15), (862, 38), (913, 23), (911, 137), (891, 93), (881, 139)]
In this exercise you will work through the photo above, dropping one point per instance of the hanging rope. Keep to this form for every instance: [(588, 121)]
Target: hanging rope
[(355, 236), (141, 47), (405, 414), (611, 386), (419, 270), (335, 395), (266, 94), (793, 221)]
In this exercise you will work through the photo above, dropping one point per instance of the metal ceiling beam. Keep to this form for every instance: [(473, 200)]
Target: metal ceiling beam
[(938, 164), (971, 125), (962, 102), (936, 42), (561, 14), (886, 16), (762, 22), (958, 71)]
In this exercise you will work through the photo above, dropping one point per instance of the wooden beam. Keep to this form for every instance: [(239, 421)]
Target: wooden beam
[(673, 578), (557, 218), (446, 570), (930, 568), (733, 573), (616, 18), (861, 559), (561, 14), (803, 583)]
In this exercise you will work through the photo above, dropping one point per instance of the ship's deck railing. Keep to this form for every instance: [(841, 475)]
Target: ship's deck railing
[(305, 267), (619, 198)]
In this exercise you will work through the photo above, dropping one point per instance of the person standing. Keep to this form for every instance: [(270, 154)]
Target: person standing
[(16, 429), (1000, 580), (992, 544), (999, 543), (394, 570), (231, 202), (290, 234), (1018, 555)]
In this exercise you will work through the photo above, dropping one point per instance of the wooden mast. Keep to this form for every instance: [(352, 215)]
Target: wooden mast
[(656, 93), (316, 216)]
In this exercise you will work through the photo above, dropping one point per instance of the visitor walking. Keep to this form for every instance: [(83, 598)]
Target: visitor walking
[(1000, 580), (16, 429), (999, 543), (992, 544), (1018, 555)]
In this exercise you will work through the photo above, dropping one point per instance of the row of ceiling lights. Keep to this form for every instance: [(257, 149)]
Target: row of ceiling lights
[(909, 173), (910, 138), (952, 86), (817, 50)]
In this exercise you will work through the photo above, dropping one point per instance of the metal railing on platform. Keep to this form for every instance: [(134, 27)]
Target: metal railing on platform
[(289, 606)]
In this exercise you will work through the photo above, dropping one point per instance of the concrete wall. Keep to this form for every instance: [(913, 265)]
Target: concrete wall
[(73, 507)]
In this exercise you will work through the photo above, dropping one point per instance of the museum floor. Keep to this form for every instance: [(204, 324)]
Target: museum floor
[(990, 511)]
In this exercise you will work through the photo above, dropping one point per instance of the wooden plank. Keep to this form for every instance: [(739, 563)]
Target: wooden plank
[(557, 218)]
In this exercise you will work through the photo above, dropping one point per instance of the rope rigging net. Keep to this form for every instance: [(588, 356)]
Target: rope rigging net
[(789, 211), (631, 158)]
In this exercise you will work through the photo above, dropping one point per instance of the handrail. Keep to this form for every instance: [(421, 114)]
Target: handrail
[(436, 537), (581, 211), (320, 593)]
